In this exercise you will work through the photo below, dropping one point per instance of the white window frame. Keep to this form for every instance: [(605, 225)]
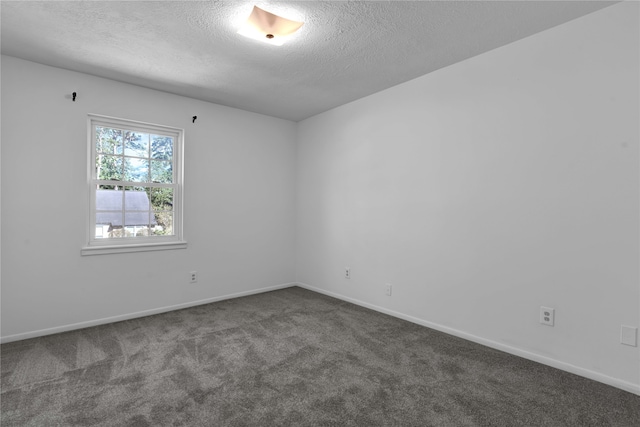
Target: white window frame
[(98, 246)]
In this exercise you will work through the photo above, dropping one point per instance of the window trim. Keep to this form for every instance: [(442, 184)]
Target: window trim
[(95, 246)]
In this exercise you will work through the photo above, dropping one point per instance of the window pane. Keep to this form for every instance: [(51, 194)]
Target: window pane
[(108, 212), (109, 200), (162, 199), (107, 231), (108, 140), (109, 187), (109, 167), (136, 188), (161, 147), (102, 232), (137, 231), (136, 170), (136, 218), (137, 199), (108, 224), (161, 171), (163, 224), (137, 211), (109, 218), (136, 144)]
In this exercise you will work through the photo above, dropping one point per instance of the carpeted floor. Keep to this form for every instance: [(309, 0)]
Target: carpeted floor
[(289, 358)]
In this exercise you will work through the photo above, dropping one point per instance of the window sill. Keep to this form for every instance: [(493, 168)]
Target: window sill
[(143, 247)]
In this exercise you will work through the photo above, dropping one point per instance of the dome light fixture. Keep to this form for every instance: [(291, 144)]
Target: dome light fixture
[(267, 27)]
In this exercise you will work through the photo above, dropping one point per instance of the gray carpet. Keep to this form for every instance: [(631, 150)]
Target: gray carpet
[(289, 358)]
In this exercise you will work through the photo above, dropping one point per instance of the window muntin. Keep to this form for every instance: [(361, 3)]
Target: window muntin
[(135, 182)]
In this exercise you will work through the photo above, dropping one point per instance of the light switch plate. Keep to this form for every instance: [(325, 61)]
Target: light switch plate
[(629, 335)]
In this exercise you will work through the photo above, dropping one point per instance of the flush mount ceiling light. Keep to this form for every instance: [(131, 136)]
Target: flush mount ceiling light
[(267, 27)]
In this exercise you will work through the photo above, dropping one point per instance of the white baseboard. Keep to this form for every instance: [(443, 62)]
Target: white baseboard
[(592, 375), (89, 323)]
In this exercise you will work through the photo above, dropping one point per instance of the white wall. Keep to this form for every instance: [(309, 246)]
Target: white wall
[(487, 189), (239, 203)]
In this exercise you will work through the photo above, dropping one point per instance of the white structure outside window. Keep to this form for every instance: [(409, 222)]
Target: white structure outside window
[(135, 181)]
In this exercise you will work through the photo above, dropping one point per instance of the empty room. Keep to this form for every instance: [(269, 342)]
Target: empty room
[(320, 213)]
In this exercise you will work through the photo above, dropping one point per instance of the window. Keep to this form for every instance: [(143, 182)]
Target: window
[(135, 186)]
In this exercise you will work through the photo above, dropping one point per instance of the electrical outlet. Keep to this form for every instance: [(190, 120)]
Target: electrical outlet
[(388, 289), (347, 273), (193, 277), (547, 316)]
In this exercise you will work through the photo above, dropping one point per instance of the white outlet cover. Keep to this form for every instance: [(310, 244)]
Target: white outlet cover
[(629, 335), (547, 316)]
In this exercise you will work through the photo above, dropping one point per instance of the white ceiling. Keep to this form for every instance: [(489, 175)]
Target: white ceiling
[(344, 51)]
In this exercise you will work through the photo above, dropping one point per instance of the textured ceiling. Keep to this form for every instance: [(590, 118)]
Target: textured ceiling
[(344, 51)]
